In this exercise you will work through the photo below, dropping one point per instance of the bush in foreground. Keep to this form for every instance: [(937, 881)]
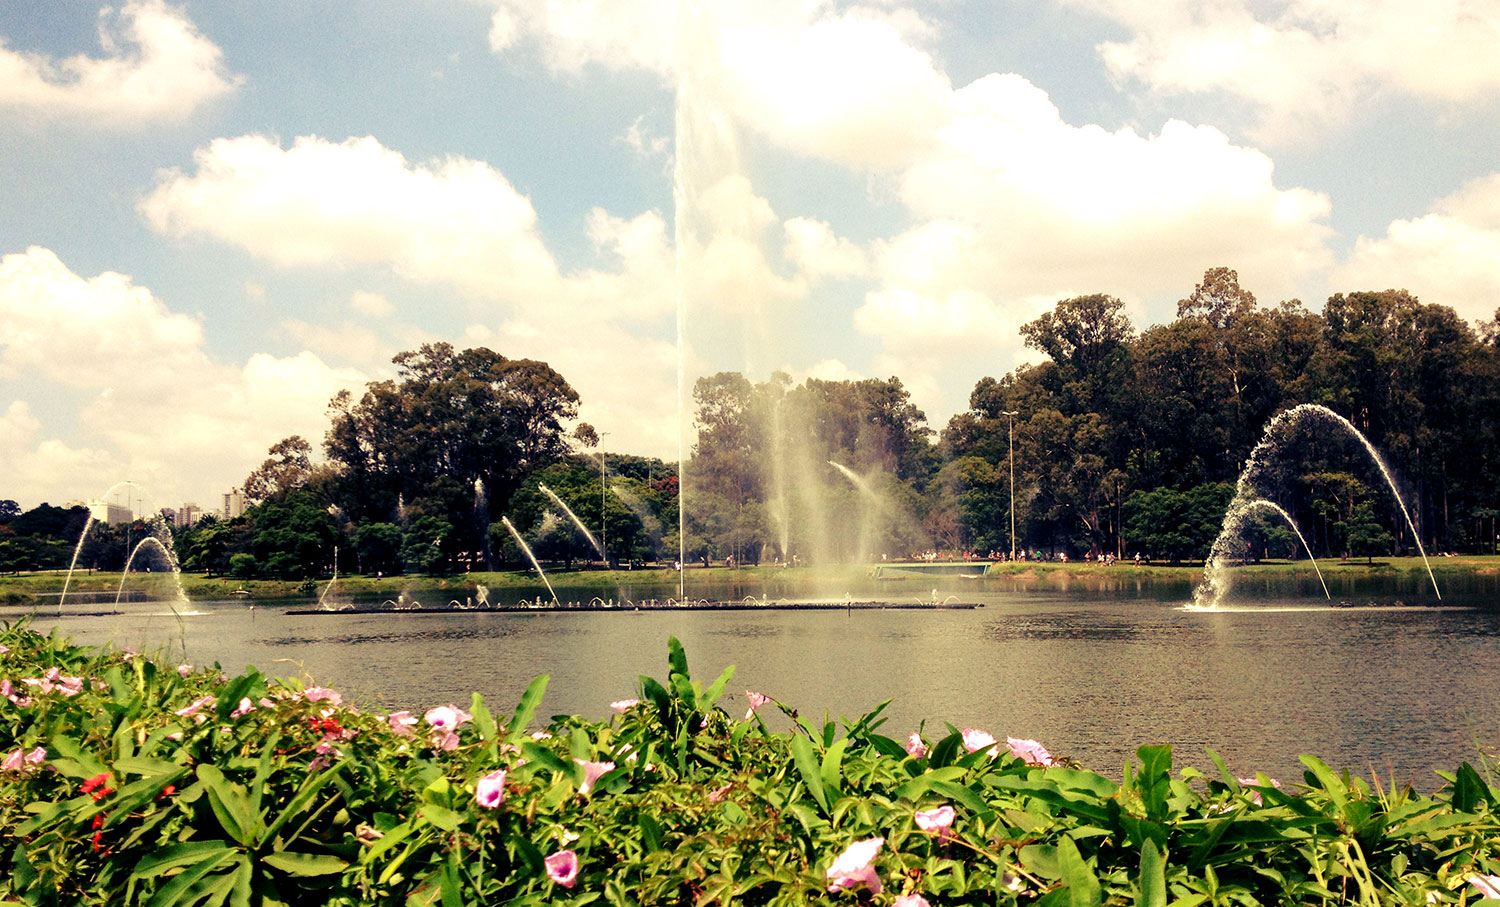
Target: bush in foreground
[(128, 781)]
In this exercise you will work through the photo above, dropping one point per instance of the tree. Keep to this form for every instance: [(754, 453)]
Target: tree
[(288, 468), (378, 546), (9, 510), (450, 425)]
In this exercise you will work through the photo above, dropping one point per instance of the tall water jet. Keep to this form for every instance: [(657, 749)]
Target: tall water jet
[(576, 521), (527, 549), (874, 505), (331, 580), (1215, 583), (78, 548), (1234, 523), (167, 551)]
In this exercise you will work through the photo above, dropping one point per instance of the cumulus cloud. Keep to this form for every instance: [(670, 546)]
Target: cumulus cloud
[(1303, 63), (1029, 203), (1448, 256), (854, 86), (156, 67), (455, 222), (134, 378)]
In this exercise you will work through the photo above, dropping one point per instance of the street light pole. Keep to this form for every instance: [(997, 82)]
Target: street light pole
[(603, 503), (1010, 416)]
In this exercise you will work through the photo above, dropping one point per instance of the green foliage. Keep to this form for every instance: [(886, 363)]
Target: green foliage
[(164, 788)]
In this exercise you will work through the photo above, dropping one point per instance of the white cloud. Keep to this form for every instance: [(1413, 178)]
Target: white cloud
[(1016, 202), (371, 305), (1450, 256), (1304, 62), (156, 67), (851, 86), (134, 378), (817, 252), (454, 222)]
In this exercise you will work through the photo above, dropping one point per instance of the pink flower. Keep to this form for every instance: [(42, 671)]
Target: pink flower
[(939, 820), (1031, 752), (562, 868), (756, 701), (245, 707), (401, 722), (915, 747), (541, 735), (624, 705), (718, 795), (446, 717), (319, 694), (489, 791), (184, 670), (592, 772), (446, 741), (4, 649), (855, 867), (974, 741), (193, 707), (910, 900), (13, 762), (37, 756), (1488, 886)]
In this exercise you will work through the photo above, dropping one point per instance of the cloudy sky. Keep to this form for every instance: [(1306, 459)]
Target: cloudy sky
[(214, 215)]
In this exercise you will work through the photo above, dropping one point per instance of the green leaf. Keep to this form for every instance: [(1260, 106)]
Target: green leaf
[(441, 816), (1154, 783), (179, 855), (807, 765), (484, 722), (716, 689), (305, 864), (1153, 878), (532, 698), (832, 773), (1469, 790), (1083, 885), (677, 658), (230, 806)]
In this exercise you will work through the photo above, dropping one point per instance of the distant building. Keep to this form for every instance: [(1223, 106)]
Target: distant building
[(109, 514), (188, 514), (234, 503)]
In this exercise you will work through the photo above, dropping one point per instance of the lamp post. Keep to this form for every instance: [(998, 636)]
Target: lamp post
[(1010, 416), (603, 503)]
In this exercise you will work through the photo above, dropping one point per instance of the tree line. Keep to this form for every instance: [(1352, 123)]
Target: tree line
[(1118, 442)]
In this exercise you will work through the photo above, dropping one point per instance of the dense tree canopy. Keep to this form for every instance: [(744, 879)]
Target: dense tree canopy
[(1118, 442)]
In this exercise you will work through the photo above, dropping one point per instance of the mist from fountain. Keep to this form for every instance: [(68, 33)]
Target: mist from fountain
[(576, 521), (1215, 585), (869, 513), (78, 548), (527, 549), (331, 580), (1234, 523), (167, 551)]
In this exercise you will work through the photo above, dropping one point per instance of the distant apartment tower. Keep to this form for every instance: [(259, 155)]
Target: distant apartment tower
[(109, 514), (234, 503), (188, 514)]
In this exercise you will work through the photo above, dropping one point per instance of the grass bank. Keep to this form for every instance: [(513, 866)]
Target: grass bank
[(581, 584)]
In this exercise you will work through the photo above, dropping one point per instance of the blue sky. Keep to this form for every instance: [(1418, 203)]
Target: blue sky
[(215, 215)]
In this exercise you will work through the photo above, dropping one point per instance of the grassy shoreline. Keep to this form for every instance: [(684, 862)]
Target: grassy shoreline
[(35, 588)]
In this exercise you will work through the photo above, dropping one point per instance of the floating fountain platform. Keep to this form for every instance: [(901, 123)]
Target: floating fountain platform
[(656, 605)]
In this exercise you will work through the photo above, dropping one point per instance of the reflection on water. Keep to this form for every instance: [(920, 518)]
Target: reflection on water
[(1405, 690)]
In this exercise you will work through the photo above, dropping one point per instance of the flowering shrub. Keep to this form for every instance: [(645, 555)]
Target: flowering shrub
[(141, 784)]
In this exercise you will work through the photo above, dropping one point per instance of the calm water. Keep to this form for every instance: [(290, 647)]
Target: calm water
[(1403, 690)]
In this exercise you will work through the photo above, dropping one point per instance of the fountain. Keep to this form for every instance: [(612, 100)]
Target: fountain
[(333, 579), (576, 521), (166, 549), (527, 549), (77, 549), (1211, 592)]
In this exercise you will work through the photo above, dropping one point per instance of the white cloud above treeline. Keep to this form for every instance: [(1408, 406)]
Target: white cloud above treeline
[(155, 66), (151, 403), (1304, 65)]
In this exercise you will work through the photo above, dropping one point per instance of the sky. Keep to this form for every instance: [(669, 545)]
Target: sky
[(216, 215)]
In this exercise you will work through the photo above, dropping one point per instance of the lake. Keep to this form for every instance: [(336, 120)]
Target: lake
[(1092, 673)]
